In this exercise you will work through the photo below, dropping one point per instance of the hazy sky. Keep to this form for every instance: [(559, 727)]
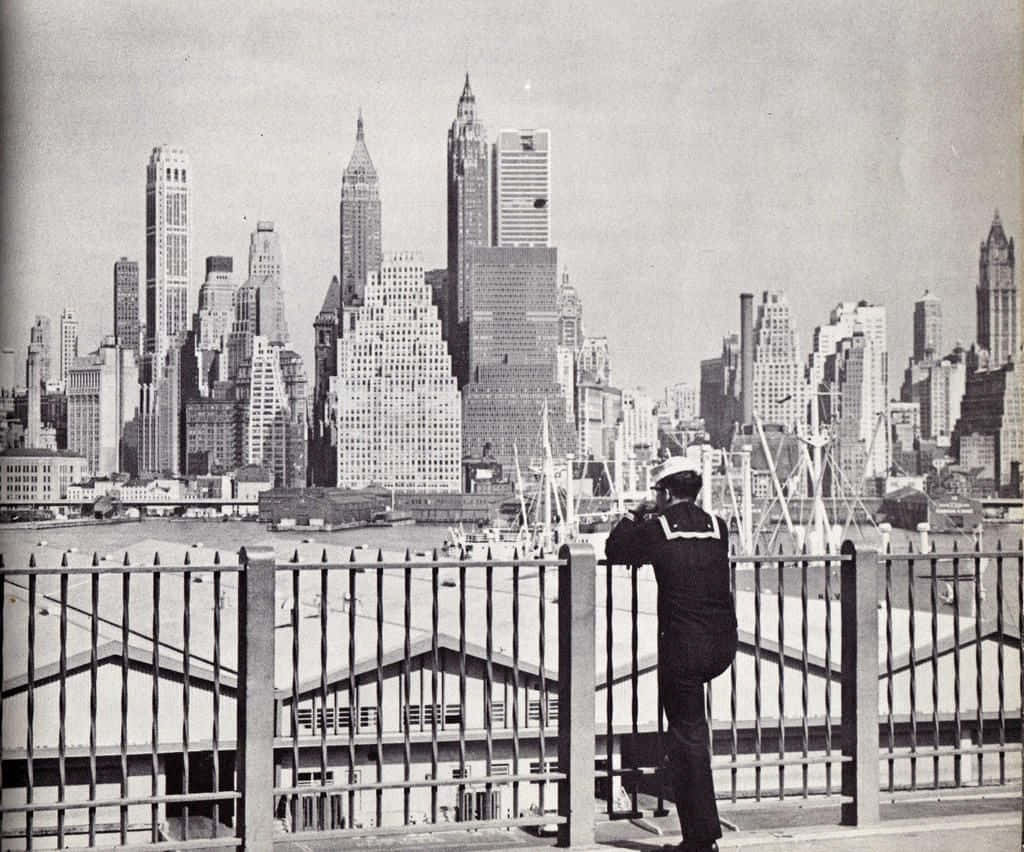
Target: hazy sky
[(833, 150)]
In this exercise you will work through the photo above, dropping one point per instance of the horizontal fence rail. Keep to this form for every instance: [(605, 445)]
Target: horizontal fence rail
[(250, 699)]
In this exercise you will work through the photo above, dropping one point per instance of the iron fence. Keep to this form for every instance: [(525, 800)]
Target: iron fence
[(335, 703)]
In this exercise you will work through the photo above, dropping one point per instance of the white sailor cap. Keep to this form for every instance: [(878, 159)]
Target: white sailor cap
[(673, 465)]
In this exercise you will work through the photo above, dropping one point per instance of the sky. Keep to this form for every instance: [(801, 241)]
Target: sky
[(835, 151)]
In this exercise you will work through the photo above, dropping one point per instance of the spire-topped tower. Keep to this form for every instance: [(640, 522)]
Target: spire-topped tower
[(360, 220), (997, 296), (468, 222)]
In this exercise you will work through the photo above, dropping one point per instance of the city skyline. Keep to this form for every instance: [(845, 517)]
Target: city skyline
[(865, 165)]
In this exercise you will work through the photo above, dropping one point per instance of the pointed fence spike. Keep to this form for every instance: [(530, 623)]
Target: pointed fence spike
[(380, 555), (126, 561), (434, 555), (156, 558), (408, 555), (956, 549), (95, 559), (488, 554), (31, 560), (1, 561), (323, 556), (216, 557), (64, 560), (187, 560), (295, 556), (352, 555)]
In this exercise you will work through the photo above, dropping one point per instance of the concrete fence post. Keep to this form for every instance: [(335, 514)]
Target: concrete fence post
[(576, 689), (859, 613), (255, 715)]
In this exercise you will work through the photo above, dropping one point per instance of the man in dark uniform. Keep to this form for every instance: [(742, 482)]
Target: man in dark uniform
[(689, 550)]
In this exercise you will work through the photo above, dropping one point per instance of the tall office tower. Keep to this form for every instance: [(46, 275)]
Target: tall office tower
[(570, 315), (468, 216), (398, 402), (127, 322), (639, 427), (360, 221), (160, 417), (34, 384), (41, 334), (214, 435), (720, 391), (846, 320), (168, 253), (102, 391), (682, 401), (997, 297), (268, 404), (440, 298), (927, 327), (8, 375), (296, 385), (593, 361), (779, 390), (598, 414), (521, 188), (323, 454), (68, 343), (990, 432), (244, 327), (513, 342), (858, 432), (266, 265), (216, 307)]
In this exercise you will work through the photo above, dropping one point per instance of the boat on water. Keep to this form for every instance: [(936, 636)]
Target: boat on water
[(391, 518)]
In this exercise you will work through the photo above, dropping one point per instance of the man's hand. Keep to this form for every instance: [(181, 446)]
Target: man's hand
[(644, 509)]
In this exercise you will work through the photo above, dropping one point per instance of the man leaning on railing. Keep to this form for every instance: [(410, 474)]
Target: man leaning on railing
[(689, 550)]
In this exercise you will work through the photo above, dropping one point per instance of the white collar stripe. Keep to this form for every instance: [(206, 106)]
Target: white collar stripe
[(670, 533)]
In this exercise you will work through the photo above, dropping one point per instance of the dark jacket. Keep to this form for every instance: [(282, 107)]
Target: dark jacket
[(689, 550)]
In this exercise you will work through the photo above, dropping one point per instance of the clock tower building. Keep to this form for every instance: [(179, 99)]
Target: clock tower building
[(997, 297)]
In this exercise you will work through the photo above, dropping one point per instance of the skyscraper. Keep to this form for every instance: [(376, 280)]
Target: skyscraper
[(779, 389), (126, 304), (323, 461), (927, 327), (216, 304), (266, 265), (168, 253), (41, 334), (521, 188), (468, 215), (398, 403), (102, 390), (34, 384), (360, 221), (68, 344), (513, 342), (997, 296)]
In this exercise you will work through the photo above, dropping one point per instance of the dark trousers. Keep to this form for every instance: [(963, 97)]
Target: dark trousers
[(684, 667)]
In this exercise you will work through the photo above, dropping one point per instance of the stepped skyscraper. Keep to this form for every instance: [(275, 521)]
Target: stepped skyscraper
[(468, 218), (360, 221)]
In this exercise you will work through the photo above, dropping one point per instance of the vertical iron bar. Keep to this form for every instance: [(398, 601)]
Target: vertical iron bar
[(542, 668), (829, 568), (216, 685), (3, 607), (610, 688), (911, 627), (407, 682), (935, 667), (186, 628), (734, 746), (890, 717), (515, 680), (94, 640), (757, 673), (805, 676), (978, 662), (1000, 664), (62, 700), (781, 571), (296, 590), (380, 692), (957, 758), (462, 685), (489, 682), (155, 737), (435, 664), (634, 678), (126, 579), (30, 699), (353, 694), (324, 801)]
